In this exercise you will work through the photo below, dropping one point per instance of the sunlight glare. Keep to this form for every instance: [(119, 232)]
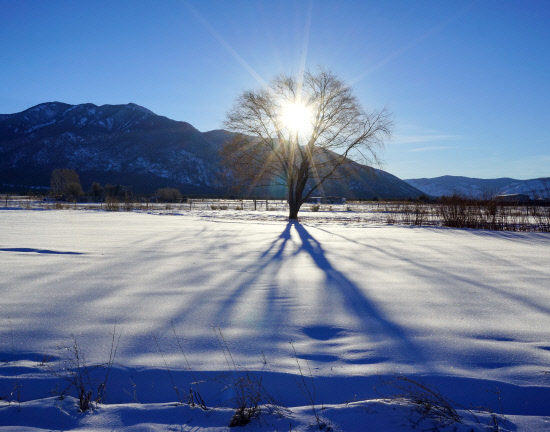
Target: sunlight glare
[(296, 117)]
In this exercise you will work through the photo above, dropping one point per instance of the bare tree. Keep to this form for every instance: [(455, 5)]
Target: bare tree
[(168, 195), (65, 183), (300, 132), (96, 190), (543, 191)]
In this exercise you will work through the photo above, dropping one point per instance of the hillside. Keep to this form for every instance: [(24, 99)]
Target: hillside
[(464, 186), (132, 146), (119, 144), (535, 188)]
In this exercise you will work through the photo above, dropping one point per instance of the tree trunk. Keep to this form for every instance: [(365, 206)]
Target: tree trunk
[(296, 187), (294, 208), (292, 202), (295, 204)]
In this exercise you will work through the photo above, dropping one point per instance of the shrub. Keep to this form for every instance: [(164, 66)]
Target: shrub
[(250, 394), (427, 400), (72, 190), (168, 195), (112, 204), (80, 375), (128, 204), (308, 390), (315, 207), (455, 212)]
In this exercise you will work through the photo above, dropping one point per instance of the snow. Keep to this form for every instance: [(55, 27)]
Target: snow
[(143, 164), (70, 136), (71, 108), (112, 165), (536, 188), (458, 188), (482, 188), (109, 124), (140, 108), (34, 128), (463, 310)]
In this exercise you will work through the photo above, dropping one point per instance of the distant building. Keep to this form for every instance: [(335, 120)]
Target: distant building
[(326, 200), (513, 198)]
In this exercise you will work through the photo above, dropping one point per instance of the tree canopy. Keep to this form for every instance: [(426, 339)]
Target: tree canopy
[(65, 183), (300, 132)]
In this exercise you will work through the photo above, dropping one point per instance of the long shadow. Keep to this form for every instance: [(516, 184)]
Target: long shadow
[(517, 236), (374, 324), (467, 279), (355, 301), (273, 256), (39, 251)]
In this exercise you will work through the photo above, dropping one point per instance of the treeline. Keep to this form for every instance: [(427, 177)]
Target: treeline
[(65, 186)]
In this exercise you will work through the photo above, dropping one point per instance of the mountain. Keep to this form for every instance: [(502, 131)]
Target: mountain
[(370, 183), (464, 186), (132, 146), (535, 188), (480, 188), (118, 144)]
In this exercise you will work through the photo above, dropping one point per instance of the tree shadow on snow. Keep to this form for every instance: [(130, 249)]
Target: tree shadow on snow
[(266, 267), (39, 251), (374, 322), (275, 311)]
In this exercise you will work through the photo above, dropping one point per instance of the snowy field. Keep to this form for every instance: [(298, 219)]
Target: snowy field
[(462, 311)]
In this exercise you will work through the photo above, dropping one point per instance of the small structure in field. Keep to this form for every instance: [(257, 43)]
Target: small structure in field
[(513, 198), (326, 200)]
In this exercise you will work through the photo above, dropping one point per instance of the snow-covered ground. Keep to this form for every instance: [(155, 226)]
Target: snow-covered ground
[(464, 311)]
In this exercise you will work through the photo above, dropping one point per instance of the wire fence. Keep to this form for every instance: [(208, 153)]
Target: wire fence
[(451, 212)]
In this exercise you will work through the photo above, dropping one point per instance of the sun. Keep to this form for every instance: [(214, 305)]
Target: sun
[(296, 117)]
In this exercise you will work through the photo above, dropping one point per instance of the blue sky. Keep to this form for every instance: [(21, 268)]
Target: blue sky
[(468, 82)]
